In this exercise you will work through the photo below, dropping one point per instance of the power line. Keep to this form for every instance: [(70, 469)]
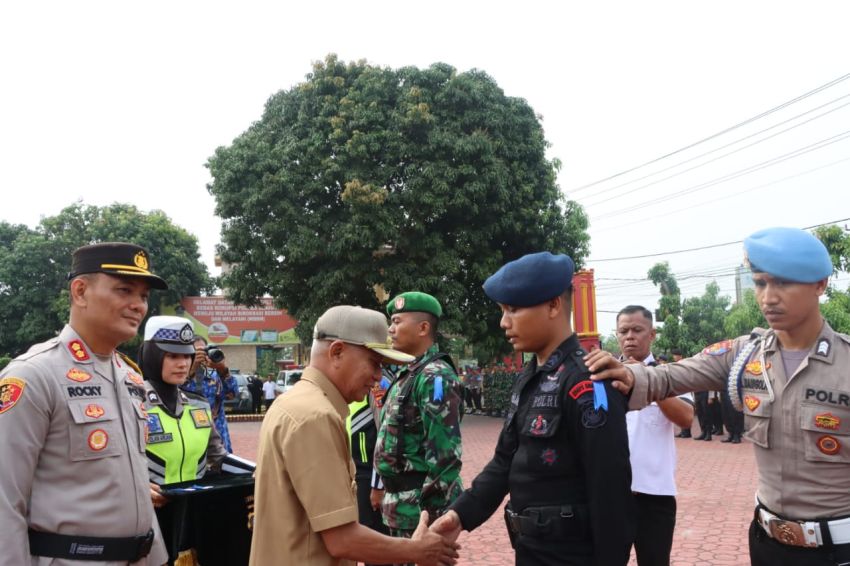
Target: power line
[(619, 226), (732, 143), (740, 173), (718, 134), (667, 178), (703, 247)]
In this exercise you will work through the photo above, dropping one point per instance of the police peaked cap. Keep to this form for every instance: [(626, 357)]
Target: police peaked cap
[(115, 258), (415, 301), (788, 253), (531, 280), (171, 334)]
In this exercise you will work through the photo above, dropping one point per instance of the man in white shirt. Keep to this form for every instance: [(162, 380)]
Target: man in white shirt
[(652, 446), (269, 392)]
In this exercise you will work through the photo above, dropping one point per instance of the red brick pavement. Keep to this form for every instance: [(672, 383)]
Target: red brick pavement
[(716, 485)]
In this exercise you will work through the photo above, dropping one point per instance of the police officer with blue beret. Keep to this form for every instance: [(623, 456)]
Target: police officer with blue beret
[(791, 381), (563, 455)]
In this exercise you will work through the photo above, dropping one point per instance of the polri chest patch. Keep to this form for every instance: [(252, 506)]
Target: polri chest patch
[(200, 418)]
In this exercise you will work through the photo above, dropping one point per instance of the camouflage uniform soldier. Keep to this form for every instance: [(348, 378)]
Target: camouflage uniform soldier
[(418, 452)]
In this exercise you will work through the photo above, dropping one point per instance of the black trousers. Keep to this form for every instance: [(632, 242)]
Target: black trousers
[(765, 551), (732, 417), (701, 408), (716, 411), (656, 520), (532, 551)]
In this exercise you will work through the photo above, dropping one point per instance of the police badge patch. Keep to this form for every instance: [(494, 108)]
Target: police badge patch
[(11, 390), (154, 424), (200, 418), (591, 418)]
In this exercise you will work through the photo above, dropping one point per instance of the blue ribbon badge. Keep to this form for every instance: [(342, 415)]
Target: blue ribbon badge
[(438, 388), (600, 397)]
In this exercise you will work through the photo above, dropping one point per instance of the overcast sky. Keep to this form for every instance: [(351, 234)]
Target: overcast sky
[(111, 102)]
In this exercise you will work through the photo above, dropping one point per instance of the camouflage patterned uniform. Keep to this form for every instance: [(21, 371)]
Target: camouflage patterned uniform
[(431, 444)]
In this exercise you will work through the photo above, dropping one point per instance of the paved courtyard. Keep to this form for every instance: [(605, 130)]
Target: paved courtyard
[(716, 486)]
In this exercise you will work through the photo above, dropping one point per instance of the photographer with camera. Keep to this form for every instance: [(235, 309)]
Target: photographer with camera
[(210, 377)]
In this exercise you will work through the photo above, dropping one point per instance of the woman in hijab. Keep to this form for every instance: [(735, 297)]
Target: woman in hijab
[(182, 442)]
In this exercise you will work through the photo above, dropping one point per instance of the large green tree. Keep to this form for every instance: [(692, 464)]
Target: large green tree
[(744, 316), (703, 319), (34, 264), (363, 178), (836, 309)]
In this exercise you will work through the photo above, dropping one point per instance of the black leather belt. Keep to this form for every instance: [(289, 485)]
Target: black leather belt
[(95, 549), (556, 522), (404, 482)]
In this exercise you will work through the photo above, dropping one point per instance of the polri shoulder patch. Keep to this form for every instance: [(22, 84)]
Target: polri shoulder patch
[(11, 391), (719, 348)]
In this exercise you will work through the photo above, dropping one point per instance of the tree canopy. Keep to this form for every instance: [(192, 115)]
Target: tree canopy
[(365, 179), (34, 263)]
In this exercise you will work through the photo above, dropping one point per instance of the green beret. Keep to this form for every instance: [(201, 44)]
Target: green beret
[(414, 301)]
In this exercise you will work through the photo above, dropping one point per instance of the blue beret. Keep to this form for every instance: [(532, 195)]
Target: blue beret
[(788, 253), (531, 279)]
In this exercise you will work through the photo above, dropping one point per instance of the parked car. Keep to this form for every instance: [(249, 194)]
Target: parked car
[(286, 379), (241, 402)]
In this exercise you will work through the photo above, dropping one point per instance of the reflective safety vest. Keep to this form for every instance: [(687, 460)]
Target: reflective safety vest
[(177, 446), (362, 432)]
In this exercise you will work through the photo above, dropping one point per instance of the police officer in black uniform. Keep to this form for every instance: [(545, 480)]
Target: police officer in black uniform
[(563, 455)]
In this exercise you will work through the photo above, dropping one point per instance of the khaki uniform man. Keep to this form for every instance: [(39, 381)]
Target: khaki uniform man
[(791, 382), (75, 483), (305, 493)]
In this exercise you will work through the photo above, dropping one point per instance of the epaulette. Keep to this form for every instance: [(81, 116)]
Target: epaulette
[(37, 349), (131, 363)]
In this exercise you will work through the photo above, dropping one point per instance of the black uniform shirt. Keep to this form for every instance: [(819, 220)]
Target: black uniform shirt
[(556, 448)]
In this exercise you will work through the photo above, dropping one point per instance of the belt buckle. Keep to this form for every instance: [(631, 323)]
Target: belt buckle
[(788, 532)]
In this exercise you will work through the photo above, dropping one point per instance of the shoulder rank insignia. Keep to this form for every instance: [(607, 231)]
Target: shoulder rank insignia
[(78, 350)]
